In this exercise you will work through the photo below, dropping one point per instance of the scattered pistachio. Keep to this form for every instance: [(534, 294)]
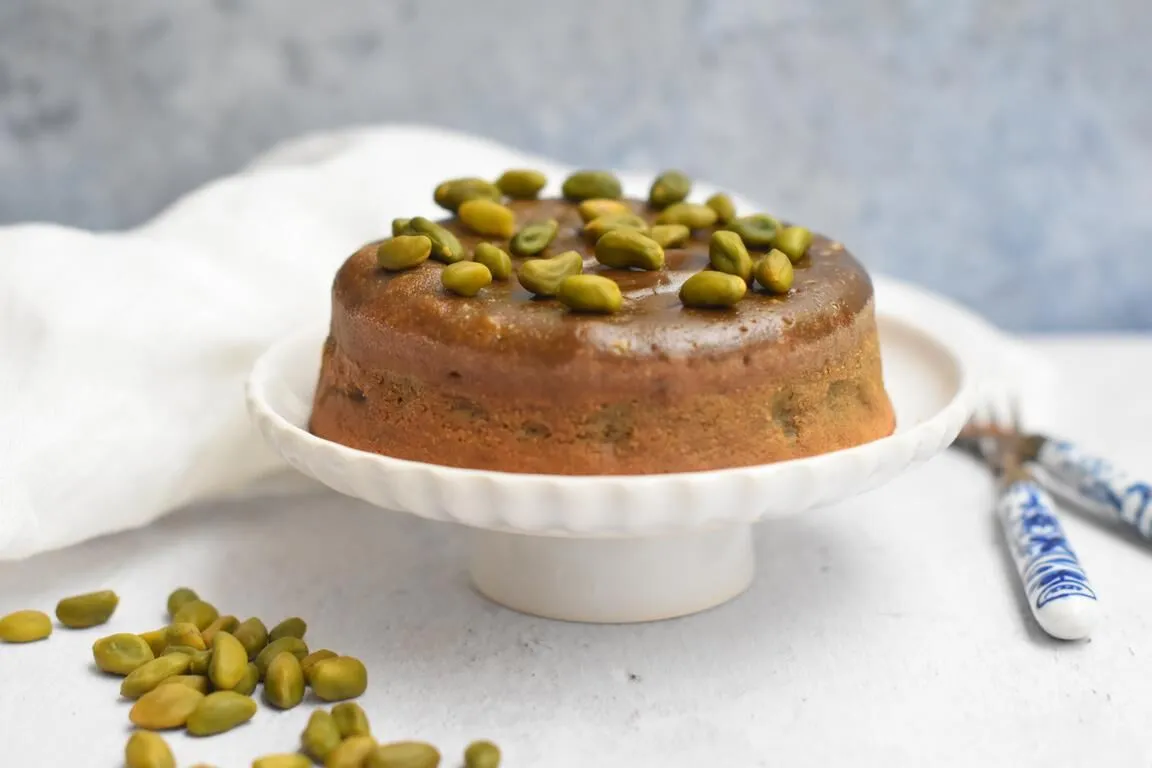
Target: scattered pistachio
[(121, 653), (482, 754), (88, 610), (219, 712), (179, 596), (196, 612), (691, 215), (148, 750), (25, 627), (337, 679), (293, 627)]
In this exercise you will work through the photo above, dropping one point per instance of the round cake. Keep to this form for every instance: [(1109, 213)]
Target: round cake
[(491, 340)]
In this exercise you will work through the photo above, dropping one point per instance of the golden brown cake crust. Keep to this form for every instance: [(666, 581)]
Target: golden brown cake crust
[(509, 382)]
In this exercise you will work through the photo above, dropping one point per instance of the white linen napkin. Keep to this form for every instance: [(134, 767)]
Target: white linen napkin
[(123, 355)]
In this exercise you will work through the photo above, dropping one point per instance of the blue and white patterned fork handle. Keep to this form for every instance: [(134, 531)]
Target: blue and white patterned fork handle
[(1096, 483), (1058, 591)]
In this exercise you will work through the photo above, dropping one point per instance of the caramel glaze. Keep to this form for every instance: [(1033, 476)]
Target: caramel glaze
[(504, 342)]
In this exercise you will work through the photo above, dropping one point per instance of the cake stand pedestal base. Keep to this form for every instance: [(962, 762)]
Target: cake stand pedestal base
[(613, 581)]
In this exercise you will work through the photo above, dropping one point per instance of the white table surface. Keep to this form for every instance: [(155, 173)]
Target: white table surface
[(885, 631)]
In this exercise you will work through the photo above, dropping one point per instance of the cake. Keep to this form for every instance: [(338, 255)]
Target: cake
[(716, 341)]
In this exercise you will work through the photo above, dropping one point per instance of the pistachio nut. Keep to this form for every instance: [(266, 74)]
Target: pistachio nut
[(610, 222), (180, 596), (585, 185), (599, 206), (222, 623), (499, 263), (351, 720), (320, 736), (253, 635), (487, 217), (445, 246), (403, 252), (543, 276), (351, 753), (165, 706), (148, 750), (148, 675), (757, 230), (521, 183), (307, 662), (293, 627), (454, 192), (774, 272), (185, 633), (712, 289), (219, 712), (691, 215), (590, 293), (284, 682), (533, 238), (724, 207), (794, 242), (404, 754), (87, 610), (668, 188), (286, 760), (482, 754), (248, 683), (337, 679), (199, 682), (121, 653), (157, 640), (25, 627), (726, 253), (400, 227), (622, 249), (229, 662), (465, 278), (670, 235), (293, 645), (196, 612)]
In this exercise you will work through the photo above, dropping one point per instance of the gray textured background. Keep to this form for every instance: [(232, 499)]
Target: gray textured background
[(999, 151)]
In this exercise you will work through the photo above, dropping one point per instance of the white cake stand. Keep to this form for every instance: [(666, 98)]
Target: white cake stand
[(640, 548)]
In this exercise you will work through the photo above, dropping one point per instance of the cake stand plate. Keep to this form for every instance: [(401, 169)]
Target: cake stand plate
[(647, 547)]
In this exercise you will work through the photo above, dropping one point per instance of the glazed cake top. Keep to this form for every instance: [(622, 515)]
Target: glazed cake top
[(830, 288)]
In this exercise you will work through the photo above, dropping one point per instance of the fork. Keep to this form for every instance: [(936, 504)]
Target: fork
[(1057, 589), (1088, 481)]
